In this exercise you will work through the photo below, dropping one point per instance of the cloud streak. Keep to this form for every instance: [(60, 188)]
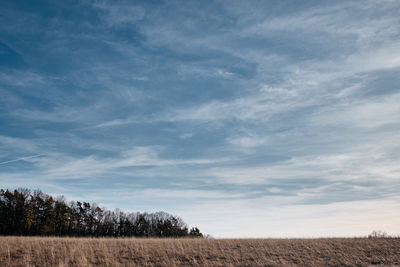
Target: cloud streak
[(21, 159)]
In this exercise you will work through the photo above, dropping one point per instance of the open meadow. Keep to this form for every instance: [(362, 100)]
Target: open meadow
[(53, 251)]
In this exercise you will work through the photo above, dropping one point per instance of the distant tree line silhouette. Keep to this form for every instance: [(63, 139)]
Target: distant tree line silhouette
[(25, 213)]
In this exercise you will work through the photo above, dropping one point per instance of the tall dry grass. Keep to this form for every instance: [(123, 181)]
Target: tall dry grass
[(49, 251)]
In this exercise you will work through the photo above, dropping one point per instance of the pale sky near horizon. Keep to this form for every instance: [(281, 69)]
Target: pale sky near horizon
[(245, 118)]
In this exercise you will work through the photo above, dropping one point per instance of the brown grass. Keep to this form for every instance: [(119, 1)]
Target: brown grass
[(49, 251)]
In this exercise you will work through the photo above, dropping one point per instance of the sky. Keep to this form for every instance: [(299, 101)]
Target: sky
[(245, 118)]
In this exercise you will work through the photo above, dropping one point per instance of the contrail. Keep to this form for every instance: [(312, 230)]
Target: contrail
[(24, 158)]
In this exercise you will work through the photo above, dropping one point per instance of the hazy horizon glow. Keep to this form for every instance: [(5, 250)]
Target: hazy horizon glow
[(245, 118)]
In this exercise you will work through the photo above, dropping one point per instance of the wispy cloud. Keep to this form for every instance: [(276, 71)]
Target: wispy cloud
[(117, 14), (19, 159), (62, 166)]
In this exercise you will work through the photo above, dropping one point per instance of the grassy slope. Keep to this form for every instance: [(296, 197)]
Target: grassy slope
[(47, 251)]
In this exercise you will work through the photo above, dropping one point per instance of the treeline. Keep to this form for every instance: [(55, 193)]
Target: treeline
[(25, 213)]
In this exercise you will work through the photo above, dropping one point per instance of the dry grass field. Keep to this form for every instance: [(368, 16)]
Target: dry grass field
[(49, 251)]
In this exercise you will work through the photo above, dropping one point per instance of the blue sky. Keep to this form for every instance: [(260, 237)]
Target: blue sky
[(246, 118)]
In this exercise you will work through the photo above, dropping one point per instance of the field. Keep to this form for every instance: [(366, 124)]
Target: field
[(52, 251)]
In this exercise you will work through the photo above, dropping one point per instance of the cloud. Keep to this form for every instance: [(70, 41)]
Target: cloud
[(185, 135), (19, 159), (366, 113), (62, 166), (17, 144), (116, 122), (222, 218), (259, 106), (118, 14)]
